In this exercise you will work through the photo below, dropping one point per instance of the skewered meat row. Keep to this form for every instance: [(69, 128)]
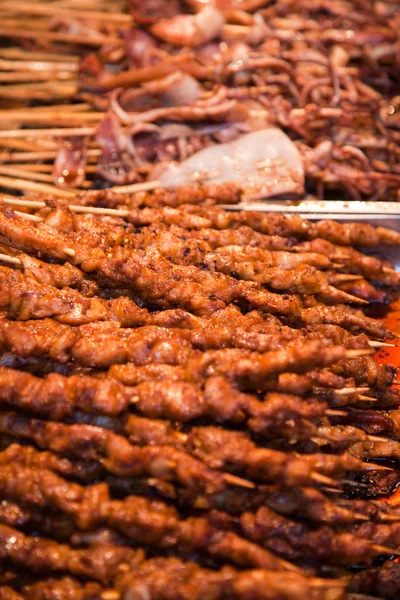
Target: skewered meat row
[(102, 563), (109, 345), (181, 247), (58, 398), (153, 452), (163, 577), (309, 503), (371, 267), (287, 383), (191, 247), (116, 454), (247, 235), (24, 299), (362, 370), (271, 224), (166, 285), (270, 268), (137, 518), (278, 527)]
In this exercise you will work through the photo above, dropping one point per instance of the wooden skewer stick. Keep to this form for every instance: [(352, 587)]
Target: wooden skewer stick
[(20, 54), (35, 76), (33, 8), (390, 271), (136, 187), (373, 467), (69, 252), (12, 260), (31, 168), (26, 174), (32, 186), (315, 582), (42, 155), (37, 65), (39, 91), (57, 36), (350, 390), (239, 481), (110, 595), (28, 217), (356, 353), (385, 550), (58, 116), (361, 517), (336, 413), (374, 344), (319, 478), (388, 518), (54, 108), (54, 132), (366, 398), (352, 298), (343, 277), (27, 144)]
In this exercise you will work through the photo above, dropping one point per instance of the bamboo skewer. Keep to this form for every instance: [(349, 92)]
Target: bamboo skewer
[(28, 144), (55, 132), (349, 390), (82, 106), (41, 155), (27, 117), (136, 187), (31, 186), (20, 54), (359, 352), (37, 65), (33, 8), (366, 398), (56, 36), (39, 91), (18, 77), (26, 174)]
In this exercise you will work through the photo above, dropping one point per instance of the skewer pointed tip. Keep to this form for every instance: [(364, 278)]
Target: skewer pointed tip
[(352, 483), (389, 518), (239, 481), (110, 595), (374, 344), (336, 413), (361, 517), (12, 260), (319, 478), (69, 252), (350, 390), (376, 438), (373, 467), (385, 550), (358, 352), (327, 583), (366, 398), (344, 277)]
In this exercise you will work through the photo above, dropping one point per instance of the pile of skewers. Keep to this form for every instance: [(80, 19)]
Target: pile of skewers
[(190, 406), (123, 94)]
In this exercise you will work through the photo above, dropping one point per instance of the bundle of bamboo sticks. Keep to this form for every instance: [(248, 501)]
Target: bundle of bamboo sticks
[(41, 44)]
